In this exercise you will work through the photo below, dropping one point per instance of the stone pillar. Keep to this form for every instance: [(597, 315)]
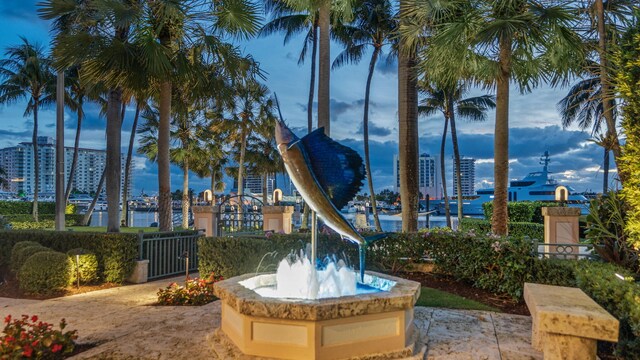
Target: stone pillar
[(140, 272), (561, 227), (277, 218), (206, 217)]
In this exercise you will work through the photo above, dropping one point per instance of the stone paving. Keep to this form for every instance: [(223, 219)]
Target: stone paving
[(125, 325)]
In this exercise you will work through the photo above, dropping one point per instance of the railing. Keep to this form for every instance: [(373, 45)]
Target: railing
[(562, 250), (240, 214), (169, 251)]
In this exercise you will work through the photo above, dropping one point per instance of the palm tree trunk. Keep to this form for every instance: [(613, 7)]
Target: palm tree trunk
[(447, 207), (605, 167), (127, 166), (113, 164), (456, 155), (243, 150), (408, 134), (365, 130), (213, 183), (324, 70), (265, 198), (185, 194), (74, 161), (500, 216), (164, 173), (87, 216), (607, 91), (36, 159), (312, 83)]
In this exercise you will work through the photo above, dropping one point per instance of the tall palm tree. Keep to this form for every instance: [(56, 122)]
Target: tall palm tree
[(495, 43), (374, 26), (450, 103), (263, 155), (97, 38), (26, 73), (408, 125), (583, 105), (291, 22)]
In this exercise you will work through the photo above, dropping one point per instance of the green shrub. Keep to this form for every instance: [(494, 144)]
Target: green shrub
[(24, 207), (45, 273), (232, 256), (41, 225), (23, 244), (18, 220), (618, 297), (83, 263), (606, 231), (195, 292), (20, 255), (556, 272), (116, 253), (29, 337), (500, 265), (522, 211), (516, 229)]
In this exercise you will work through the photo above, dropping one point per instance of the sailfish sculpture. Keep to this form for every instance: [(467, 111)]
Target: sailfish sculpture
[(327, 175)]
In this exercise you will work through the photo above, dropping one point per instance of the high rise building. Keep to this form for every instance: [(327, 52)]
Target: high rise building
[(253, 183), (467, 176), (430, 181), (19, 166)]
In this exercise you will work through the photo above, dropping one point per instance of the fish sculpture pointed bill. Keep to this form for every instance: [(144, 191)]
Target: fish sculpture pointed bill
[(327, 175)]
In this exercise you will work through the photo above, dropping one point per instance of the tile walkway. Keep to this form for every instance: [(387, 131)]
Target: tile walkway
[(125, 325)]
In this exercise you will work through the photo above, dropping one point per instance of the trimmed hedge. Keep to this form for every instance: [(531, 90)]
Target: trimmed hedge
[(522, 211), (232, 256), (516, 229), (26, 207), (83, 263), (116, 253), (21, 254), (45, 273), (19, 221)]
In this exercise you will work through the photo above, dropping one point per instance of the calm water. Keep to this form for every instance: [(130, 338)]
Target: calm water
[(389, 223)]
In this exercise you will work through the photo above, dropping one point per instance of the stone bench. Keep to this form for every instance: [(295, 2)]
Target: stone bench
[(566, 322)]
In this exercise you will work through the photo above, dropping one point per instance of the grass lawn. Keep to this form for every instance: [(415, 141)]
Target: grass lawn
[(436, 298), (104, 229)]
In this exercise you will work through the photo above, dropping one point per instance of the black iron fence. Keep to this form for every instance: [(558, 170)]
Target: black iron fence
[(169, 252)]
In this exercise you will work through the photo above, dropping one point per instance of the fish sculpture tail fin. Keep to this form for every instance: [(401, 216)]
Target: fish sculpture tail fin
[(362, 249)]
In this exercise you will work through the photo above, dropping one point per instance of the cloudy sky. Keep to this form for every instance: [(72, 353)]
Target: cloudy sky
[(535, 123)]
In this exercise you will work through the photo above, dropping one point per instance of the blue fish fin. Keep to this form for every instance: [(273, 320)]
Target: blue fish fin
[(362, 249), (338, 169)]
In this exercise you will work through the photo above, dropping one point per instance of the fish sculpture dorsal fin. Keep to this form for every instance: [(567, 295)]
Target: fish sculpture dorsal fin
[(338, 169)]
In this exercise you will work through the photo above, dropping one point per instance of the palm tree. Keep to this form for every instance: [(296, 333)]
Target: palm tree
[(450, 104), (97, 38), (583, 105), (263, 155), (494, 43), (408, 126), (26, 73), (291, 22), (4, 182), (374, 25)]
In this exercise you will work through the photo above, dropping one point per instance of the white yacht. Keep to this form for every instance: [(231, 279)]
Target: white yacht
[(536, 186)]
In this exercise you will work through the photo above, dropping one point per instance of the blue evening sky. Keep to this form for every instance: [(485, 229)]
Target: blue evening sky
[(535, 123)]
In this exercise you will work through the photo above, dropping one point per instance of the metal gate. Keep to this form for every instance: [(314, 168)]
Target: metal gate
[(167, 252), (240, 214)]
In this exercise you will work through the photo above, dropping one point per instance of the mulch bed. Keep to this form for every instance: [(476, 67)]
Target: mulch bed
[(466, 290)]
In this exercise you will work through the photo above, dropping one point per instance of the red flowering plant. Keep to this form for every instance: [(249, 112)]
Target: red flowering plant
[(195, 292), (27, 337)]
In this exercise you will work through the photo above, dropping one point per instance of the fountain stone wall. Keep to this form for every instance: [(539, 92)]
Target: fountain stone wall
[(376, 325)]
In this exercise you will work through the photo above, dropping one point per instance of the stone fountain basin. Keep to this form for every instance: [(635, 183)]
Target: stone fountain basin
[(379, 324)]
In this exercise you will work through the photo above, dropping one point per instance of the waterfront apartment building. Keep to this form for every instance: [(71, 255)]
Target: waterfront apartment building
[(253, 184), (430, 182), (17, 161), (467, 176)]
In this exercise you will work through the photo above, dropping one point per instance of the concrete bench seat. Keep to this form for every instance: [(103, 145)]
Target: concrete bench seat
[(566, 322)]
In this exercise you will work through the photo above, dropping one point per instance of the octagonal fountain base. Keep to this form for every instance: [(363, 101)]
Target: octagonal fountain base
[(364, 326)]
